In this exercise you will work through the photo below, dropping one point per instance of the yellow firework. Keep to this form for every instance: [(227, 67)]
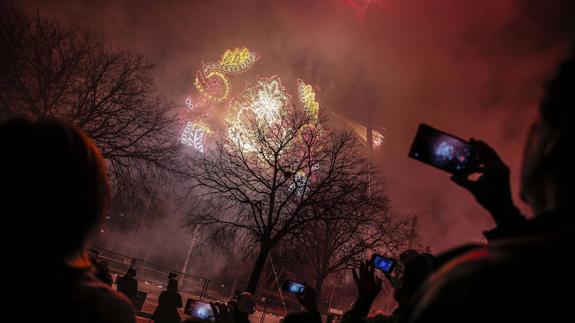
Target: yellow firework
[(207, 84), (307, 99), (237, 60)]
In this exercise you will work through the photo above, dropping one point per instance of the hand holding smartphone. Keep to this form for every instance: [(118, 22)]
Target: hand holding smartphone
[(382, 263)]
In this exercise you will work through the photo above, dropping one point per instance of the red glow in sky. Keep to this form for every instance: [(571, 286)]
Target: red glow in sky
[(470, 68), (361, 6)]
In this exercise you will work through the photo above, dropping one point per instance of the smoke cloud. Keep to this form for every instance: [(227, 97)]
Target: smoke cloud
[(470, 68)]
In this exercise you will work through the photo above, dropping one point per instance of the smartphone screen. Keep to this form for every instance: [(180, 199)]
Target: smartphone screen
[(291, 286), (383, 263), (199, 309), (443, 151)]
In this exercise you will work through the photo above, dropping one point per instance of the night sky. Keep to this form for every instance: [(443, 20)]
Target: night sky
[(472, 68)]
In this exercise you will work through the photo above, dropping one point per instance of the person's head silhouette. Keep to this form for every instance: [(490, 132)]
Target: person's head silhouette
[(547, 171), (173, 285), (131, 272), (55, 188), (417, 267)]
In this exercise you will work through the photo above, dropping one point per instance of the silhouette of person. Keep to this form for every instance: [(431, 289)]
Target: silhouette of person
[(524, 274), (368, 287), (127, 284), (168, 303), (308, 301), (55, 190), (417, 267), (242, 305)]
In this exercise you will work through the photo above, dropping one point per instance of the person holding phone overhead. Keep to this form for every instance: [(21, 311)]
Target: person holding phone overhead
[(491, 189), (416, 268), (523, 274), (307, 297)]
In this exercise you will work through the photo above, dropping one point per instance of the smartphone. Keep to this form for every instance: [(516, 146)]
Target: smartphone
[(199, 310), (443, 151), (382, 263), (291, 286)]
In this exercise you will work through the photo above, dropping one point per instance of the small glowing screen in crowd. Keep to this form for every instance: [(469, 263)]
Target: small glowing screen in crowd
[(384, 264), (200, 310), (293, 287)]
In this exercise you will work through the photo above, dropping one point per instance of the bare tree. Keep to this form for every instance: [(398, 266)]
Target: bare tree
[(51, 69), (355, 230), (264, 177)]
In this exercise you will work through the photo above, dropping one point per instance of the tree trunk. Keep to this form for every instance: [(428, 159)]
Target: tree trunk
[(318, 287), (257, 271)]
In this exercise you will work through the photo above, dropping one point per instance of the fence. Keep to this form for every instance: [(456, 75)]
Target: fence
[(152, 279)]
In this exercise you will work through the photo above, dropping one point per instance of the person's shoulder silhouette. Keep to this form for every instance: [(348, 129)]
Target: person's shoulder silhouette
[(55, 191), (127, 284), (526, 275)]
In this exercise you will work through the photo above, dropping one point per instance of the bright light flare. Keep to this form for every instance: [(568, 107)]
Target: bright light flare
[(189, 103), (237, 60), (361, 6), (212, 80), (306, 96), (300, 182), (377, 139), (261, 103), (268, 98), (194, 135), (361, 132), (213, 84)]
